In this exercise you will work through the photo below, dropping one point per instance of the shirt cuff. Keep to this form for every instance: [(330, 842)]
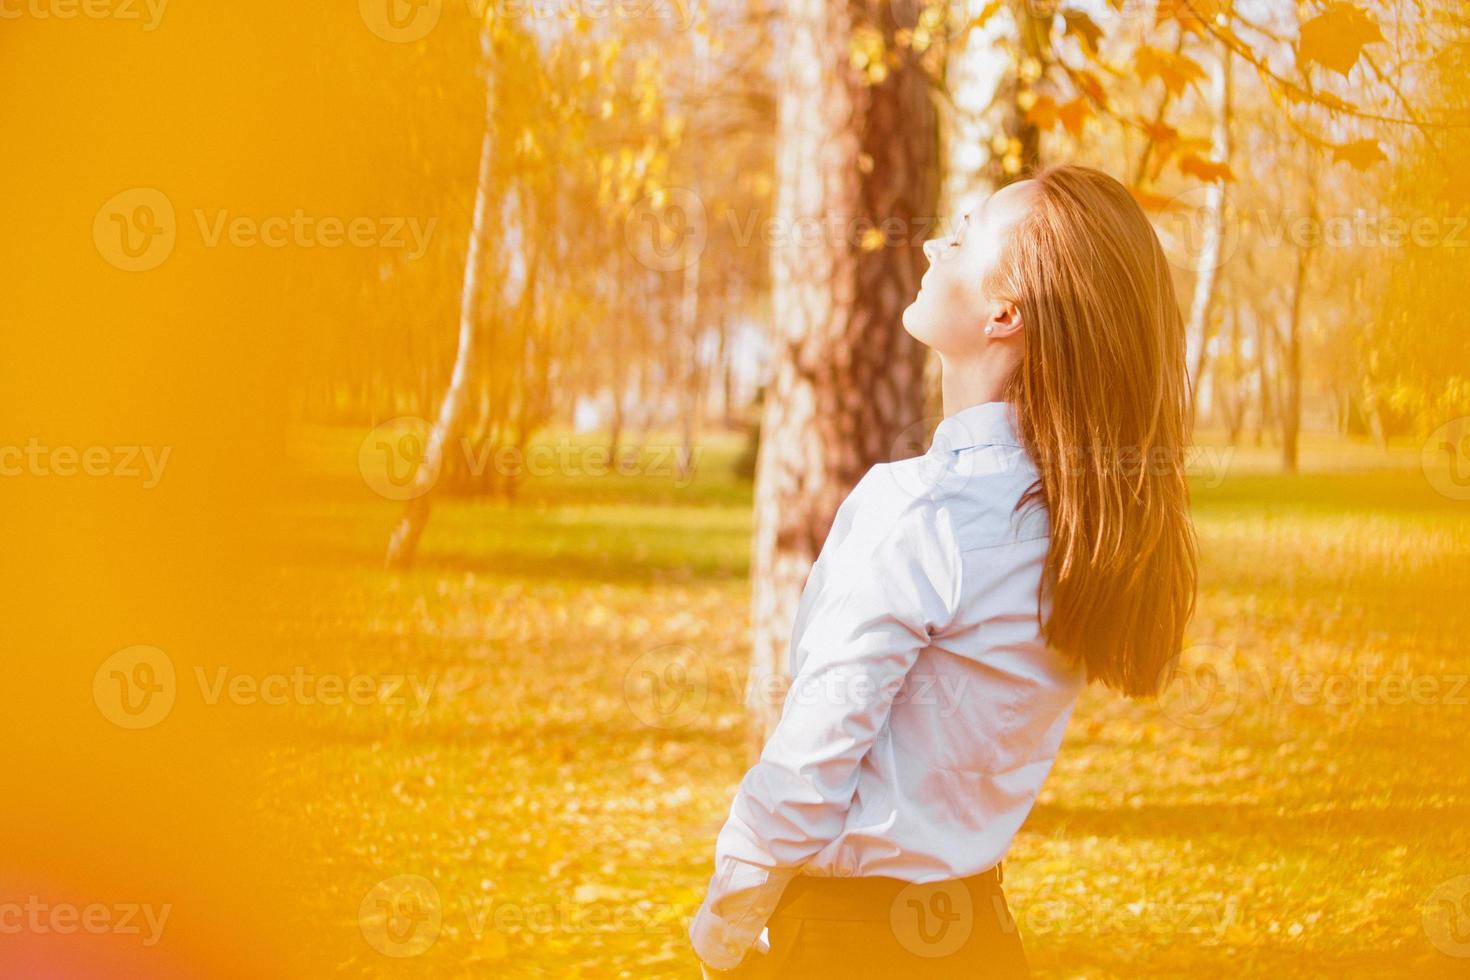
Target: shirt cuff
[(746, 895)]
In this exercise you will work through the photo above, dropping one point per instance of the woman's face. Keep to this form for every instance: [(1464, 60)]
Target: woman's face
[(951, 311)]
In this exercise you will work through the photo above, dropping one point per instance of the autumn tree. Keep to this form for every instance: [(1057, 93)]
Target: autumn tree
[(857, 152)]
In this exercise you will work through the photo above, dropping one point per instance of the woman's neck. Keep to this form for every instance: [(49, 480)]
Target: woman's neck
[(973, 381)]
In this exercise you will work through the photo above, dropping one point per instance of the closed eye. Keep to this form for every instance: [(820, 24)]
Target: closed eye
[(960, 235)]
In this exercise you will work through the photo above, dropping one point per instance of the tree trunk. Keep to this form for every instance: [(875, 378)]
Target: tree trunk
[(690, 390), (1291, 368), (1023, 155), (447, 428), (846, 379), (617, 362), (690, 386), (1235, 405), (1265, 417), (1207, 275), (734, 316)]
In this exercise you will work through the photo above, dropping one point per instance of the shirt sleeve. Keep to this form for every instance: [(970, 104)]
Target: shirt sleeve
[(884, 590)]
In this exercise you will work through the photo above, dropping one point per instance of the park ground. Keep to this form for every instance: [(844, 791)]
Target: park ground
[(1308, 819)]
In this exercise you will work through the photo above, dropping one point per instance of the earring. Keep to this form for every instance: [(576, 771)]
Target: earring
[(989, 330)]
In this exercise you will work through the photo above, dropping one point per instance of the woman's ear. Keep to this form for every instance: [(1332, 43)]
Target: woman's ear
[(1002, 319)]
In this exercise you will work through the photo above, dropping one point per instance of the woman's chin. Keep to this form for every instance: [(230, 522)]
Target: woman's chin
[(913, 321)]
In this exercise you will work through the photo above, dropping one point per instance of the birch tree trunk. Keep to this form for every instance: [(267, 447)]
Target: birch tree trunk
[(846, 379), (449, 424), (1265, 339), (1291, 366), (618, 365), (1291, 344), (1196, 332), (1235, 405), (690, 380)]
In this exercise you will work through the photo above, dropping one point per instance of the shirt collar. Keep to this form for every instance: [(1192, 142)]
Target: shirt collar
[(986, 424)]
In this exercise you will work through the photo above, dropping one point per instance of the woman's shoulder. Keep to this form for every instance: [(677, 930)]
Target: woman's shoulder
[(972, 497)]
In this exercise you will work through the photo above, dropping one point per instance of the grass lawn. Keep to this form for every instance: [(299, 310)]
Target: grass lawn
[(1293, 820)]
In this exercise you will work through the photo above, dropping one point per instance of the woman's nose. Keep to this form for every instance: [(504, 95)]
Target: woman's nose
[(932, 249)]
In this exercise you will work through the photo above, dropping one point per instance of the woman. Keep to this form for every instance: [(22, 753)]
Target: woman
[(963, 598)]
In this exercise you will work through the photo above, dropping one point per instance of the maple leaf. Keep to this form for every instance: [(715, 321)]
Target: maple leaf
[(1073, 114), (1043, 113), (1176, 71), (1192, 15), (1081, 26), (1150, 201), (1194, 165), (1161, 133), (1335, 38), (1360, 154), (1089, 83)]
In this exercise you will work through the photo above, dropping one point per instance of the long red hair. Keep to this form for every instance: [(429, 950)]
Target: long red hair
[(1102, 403)]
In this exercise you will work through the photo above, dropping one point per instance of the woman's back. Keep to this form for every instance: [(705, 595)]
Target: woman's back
[(963, 598), (975, 725)]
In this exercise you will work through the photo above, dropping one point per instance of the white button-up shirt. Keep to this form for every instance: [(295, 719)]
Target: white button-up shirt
[(925, 710)]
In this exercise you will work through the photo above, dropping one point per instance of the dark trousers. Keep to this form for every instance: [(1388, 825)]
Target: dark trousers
[(887, 929)]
